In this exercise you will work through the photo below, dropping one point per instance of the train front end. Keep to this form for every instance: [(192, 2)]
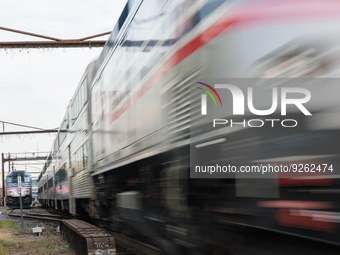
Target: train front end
[(12, 191)]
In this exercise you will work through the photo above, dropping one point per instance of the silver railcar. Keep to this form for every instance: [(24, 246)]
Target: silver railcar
[(126, 151)]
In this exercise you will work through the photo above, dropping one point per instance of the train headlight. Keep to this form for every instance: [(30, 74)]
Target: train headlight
[(10, 192), (26, 192)]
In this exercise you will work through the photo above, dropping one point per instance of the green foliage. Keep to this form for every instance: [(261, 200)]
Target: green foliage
[(63, 247), (8, 224), (46, 245), (6, 244)]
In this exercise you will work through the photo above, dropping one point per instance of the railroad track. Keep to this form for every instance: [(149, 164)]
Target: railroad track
[(42, 217), (45, 215), (123, 245)]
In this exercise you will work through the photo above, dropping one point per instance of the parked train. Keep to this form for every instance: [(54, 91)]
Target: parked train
[(12, 192), (122, 154)]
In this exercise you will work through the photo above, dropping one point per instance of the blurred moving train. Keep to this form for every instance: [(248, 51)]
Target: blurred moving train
[(12, 192), (122, 153)]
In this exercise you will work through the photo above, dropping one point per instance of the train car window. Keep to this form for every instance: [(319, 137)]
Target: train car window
[(77, 105), (63, 131), (77, 161), (123, 16), (81, 98), (85, 91), (76, 168), (9, 179), (61, 174), (74, 106), (72, 113), (27, 179), (49, 160), (79, 101), (56, 144), (85, 154), (50, 183), (81, 157), (14, 179), (209, 8)]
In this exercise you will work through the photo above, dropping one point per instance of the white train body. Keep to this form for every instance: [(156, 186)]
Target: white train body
[(122, 152)]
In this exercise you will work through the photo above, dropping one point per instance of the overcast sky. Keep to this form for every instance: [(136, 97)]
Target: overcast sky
[(36, 85)]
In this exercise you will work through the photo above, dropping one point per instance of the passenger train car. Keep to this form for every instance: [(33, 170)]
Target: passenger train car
[(12, 192), (63, 184), (122, 154)]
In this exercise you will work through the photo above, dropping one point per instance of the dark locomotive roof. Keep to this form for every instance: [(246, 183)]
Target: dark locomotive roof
[(14, 175)]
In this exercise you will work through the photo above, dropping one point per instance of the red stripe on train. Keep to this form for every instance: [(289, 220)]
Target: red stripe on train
[(305, 182), (21, 188), (296, 204), (290, 218)]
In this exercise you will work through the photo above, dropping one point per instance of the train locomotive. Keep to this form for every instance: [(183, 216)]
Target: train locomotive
[(122, 153), (12, 192)]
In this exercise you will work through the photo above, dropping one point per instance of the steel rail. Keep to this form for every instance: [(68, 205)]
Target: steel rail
[(44, 215), (33, 217)]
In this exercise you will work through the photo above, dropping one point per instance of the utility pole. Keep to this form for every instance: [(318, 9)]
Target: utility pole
[(9, 162), (19, 190), (3, 178)]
